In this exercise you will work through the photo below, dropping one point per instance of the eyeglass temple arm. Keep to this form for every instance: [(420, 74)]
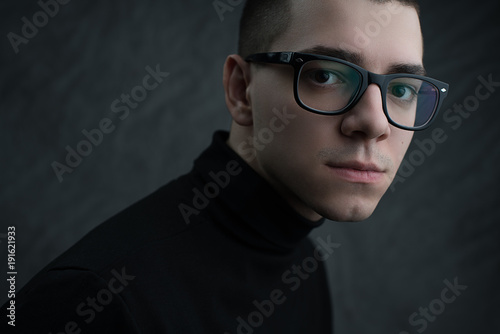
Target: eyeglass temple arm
[(271, 57)]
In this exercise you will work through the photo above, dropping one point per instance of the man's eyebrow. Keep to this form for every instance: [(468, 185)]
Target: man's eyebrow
[(352, 57), (358, 59), (407, 68)]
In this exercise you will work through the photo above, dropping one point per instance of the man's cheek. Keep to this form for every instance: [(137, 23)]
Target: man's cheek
[(398, 147), (403, 140)]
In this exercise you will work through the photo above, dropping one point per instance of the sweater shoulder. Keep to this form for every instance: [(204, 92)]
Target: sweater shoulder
[(62, 299), (152, 220)]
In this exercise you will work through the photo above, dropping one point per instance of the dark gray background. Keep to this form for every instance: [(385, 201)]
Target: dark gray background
[(442, 223)]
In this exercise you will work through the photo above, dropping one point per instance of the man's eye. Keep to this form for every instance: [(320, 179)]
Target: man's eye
[(324, 77), (403, 92)]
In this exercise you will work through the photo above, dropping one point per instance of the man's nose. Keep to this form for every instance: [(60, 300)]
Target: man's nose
[(367, 119)]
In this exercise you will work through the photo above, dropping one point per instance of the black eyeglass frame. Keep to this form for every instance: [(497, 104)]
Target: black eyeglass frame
[(298, 60)]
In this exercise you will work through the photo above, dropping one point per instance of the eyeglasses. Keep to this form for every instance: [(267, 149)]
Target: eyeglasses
[(331, 86)]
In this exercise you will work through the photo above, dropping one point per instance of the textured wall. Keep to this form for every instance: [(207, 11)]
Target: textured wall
[(442, 223)]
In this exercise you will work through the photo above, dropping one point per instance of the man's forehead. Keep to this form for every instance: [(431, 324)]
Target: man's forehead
[(381, 37), (359, 59)]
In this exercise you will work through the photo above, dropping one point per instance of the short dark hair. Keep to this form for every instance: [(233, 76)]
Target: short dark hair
[(263, 21)]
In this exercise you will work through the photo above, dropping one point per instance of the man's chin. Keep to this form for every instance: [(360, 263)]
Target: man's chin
[(349, 213)]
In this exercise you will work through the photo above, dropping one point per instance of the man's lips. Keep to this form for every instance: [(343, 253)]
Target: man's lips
[(356, 171)]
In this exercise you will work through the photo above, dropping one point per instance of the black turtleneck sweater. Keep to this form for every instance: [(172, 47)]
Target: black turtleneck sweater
[(214, 251)]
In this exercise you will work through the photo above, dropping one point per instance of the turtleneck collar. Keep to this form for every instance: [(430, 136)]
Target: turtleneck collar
[(248, 206)]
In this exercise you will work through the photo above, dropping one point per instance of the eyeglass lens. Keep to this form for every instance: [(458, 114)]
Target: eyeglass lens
[(330, 86)]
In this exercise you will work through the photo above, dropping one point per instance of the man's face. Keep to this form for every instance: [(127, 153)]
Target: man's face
[(315, 162)]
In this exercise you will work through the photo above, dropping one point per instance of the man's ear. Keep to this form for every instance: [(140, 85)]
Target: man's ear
[(236, 80)]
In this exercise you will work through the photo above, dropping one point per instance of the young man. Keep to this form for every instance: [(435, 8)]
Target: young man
[(224, 249)]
